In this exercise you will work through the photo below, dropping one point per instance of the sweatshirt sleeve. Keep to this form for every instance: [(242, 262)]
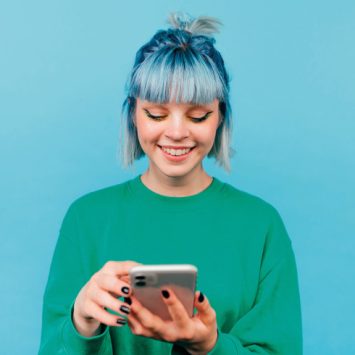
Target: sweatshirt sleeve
[(66, 278), (273, 324)]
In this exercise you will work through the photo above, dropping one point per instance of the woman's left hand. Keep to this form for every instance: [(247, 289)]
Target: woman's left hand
[(198, 335)]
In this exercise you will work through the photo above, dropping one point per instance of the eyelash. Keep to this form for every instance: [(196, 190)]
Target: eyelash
[(195, 119)]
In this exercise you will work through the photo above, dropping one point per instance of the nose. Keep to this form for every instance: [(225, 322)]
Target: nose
[(177, 128)]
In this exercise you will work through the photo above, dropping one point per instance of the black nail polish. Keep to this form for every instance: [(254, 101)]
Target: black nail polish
[(128, 300), (165, 294), (125, 290), (201, 297), (121, 321), (125, 309)]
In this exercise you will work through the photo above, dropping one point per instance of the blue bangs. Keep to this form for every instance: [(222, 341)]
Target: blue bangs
[(181, 75)]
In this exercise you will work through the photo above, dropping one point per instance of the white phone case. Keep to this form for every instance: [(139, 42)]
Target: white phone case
[(147, 281)]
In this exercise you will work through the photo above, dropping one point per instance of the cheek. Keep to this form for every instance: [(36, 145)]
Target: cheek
[(207, 136), (208, 131), (146, 131)]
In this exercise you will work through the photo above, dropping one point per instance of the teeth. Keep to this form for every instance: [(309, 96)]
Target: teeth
[(176, 152)]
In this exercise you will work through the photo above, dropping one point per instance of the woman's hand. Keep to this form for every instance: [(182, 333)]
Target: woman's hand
[(198, 335), (101, 292)]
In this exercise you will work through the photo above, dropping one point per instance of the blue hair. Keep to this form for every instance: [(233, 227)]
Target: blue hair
[(179, 64)]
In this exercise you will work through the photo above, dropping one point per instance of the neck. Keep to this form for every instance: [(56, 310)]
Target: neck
[(178, 186)]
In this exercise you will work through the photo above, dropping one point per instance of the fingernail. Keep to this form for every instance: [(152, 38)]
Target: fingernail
[(201, 297), (128, 300), (125, 309), (165, 294), (121, 321), (125, 290)]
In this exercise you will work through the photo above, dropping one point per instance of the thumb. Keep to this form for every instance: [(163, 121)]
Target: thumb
[(119, 268)]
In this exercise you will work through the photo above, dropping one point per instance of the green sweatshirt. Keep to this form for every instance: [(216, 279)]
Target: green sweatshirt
[(246, 266)]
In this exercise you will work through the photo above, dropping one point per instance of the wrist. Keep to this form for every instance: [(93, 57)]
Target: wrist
[(202, 348), (86, 327)]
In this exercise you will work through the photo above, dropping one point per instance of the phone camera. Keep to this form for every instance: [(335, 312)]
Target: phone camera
[(140, 280), (140, 283)]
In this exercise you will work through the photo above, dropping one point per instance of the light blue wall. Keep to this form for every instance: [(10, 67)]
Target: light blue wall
[(63, 65)]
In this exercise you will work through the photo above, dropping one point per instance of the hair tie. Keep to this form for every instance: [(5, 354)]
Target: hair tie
[(203, 25)]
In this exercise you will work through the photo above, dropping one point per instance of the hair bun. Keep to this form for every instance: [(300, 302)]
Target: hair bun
[(202, 25)]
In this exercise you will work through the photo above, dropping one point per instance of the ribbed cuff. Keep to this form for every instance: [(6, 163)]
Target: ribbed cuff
[(226, 344), (74, 341)]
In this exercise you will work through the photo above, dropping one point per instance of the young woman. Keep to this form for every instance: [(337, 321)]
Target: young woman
[(176, 113)]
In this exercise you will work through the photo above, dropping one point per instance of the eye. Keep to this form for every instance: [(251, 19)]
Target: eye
[(200, 119), (158, 118)]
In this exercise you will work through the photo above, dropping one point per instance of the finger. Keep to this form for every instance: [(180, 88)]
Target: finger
[(176, 309), (119, 268), (104, 299), (112, 284), (126, 279), (137, 328), (146, 318), (204, 310), (105, 317)]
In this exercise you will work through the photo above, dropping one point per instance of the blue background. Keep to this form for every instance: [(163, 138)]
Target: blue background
[(63, 66)]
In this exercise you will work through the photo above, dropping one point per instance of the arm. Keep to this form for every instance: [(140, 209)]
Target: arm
[(273, 324), (66, 277)]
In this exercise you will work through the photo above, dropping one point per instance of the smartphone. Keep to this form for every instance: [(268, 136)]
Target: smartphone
[(147, 281)]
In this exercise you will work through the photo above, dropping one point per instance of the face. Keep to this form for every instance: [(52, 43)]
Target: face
[(176, 137)]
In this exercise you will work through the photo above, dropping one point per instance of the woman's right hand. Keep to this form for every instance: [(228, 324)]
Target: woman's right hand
[(101, 292)]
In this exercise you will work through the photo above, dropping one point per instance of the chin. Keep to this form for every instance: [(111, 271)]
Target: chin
[(176, 171)]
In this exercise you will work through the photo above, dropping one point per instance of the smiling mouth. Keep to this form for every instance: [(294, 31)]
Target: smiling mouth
[(178, 155)]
